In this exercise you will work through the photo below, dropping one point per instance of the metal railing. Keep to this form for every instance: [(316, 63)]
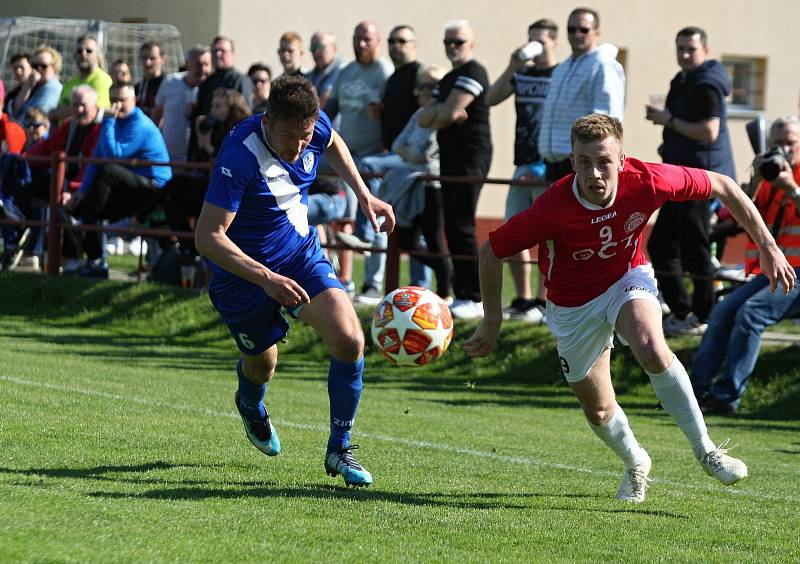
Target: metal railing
[(58, 164)]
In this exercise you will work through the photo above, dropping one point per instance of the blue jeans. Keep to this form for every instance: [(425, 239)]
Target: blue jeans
[(734, 336), (325, 208)]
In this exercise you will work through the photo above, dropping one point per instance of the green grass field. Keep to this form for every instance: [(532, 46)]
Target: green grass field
[(119, 443)]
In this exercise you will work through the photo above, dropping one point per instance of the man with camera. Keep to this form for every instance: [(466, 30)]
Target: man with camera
[(737, 322), (695, 135)]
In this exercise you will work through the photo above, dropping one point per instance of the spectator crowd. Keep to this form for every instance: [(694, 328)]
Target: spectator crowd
[(404, 121)]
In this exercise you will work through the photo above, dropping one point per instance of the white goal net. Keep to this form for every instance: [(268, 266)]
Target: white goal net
[(116, 41)]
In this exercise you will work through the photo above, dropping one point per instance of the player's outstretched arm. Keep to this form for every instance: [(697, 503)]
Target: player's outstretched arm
[(491, 273), (773, 262), (338, 156), (212, 241)]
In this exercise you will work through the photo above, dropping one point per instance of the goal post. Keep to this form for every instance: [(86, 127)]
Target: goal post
[(115, 40)]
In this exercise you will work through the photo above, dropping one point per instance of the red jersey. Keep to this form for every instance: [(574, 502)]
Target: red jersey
[(583, 248)]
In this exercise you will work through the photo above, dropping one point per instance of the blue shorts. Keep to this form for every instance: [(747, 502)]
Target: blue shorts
[(252, 316)]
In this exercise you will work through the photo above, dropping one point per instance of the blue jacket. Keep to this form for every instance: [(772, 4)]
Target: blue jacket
[(680, 150), (135, 137)]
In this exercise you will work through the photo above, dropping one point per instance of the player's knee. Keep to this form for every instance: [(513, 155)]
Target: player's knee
[(260, 370), (655, 358), (600, 414), (349, 345)]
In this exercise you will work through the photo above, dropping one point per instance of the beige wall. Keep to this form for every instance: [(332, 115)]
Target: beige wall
[(645, 29)]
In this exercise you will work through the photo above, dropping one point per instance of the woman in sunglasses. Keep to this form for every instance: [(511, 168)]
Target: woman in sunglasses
[(42, 88)]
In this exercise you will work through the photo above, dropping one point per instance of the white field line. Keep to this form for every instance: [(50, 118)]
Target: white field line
[(521, 460)]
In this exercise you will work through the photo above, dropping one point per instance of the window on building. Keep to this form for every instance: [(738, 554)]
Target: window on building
[(749, 78)]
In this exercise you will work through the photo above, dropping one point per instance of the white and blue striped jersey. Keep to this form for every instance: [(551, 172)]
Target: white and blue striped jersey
[(268, 195)]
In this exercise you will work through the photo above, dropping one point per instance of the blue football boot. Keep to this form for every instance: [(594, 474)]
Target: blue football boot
[(260, 432), (342, 461)]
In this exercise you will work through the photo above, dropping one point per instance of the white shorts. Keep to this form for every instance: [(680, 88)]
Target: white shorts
[(584, 332)]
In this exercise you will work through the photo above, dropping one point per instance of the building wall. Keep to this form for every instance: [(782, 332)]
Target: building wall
[(645, 30)]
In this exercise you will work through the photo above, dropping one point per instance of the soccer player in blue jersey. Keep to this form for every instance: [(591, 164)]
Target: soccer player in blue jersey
[(263, 256)]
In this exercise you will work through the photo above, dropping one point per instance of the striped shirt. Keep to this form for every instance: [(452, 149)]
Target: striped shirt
[(590, 83)]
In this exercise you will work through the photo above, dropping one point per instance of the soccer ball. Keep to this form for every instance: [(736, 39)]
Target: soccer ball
[(412, 326)]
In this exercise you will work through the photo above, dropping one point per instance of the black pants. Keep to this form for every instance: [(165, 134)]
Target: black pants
[(115, 193), (459, 202), (429, 223), (30, 199), (182, 198), (680, 242)]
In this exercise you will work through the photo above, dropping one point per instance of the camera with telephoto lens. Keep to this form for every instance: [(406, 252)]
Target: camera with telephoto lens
[(772, 163), (206, 124)]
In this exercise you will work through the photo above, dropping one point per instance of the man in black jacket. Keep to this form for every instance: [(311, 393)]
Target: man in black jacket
[(224, 76), (695, 135)]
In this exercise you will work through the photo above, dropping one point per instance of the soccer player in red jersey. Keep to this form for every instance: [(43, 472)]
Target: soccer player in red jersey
[(588, 226)]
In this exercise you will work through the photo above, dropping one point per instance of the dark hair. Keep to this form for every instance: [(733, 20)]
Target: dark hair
[(238, 108), (19, 56), (120, 62), (292, 98), (593, 13), (259, 67), (149, 45), (691, 31), (545, 23), (122, 84), (223, 38), (595, 127)]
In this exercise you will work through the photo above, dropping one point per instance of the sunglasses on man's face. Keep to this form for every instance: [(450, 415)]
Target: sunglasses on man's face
[(40, 65), (80, 50), (398, 41), (260, 80), (36, 125), (572, 29), (454, 42)]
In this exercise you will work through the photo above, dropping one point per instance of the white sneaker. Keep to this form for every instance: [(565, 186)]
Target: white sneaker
[(724, 468), (136, 246), (72, 265), (635, 482), (674, 327), (352, 241), (524, 310), (30, 262), (466, 309), (369, 296)]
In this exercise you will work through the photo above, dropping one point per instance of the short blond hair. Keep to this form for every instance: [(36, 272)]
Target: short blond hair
[(291, 37), (595, 127)]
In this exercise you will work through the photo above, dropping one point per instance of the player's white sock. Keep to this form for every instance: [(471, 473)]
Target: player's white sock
[(674, 390), (617, 434)]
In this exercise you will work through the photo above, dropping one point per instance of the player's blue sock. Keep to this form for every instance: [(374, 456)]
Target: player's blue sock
[(251, 395), (344, 391)]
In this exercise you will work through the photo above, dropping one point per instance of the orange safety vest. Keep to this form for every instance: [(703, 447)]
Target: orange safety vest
[(776, 207)]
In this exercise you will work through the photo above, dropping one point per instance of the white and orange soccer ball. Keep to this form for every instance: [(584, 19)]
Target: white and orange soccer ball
[(412, 326)]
